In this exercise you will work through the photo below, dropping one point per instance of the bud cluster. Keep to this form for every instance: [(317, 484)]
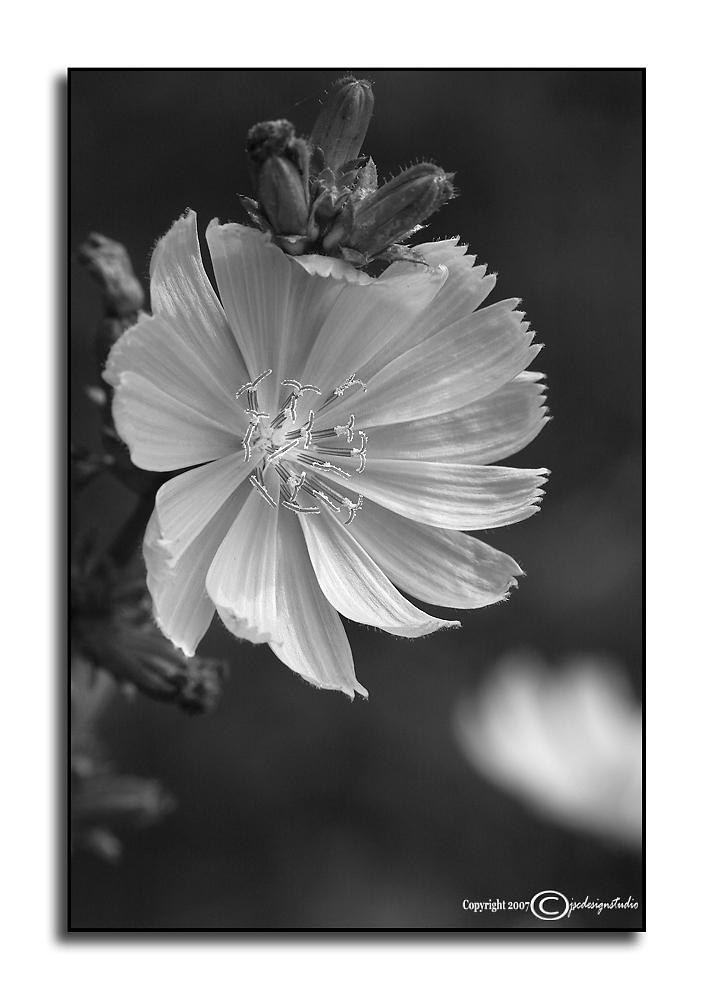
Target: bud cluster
[(320, 195), (108, 262), (112, 629)]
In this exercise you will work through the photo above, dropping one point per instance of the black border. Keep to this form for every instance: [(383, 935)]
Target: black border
[(262, 935)]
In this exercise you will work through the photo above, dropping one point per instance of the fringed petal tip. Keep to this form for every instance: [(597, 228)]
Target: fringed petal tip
[(347, 691), (187, 220), (188, 649)]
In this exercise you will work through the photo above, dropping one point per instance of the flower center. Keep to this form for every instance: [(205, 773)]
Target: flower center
[(304, 451)]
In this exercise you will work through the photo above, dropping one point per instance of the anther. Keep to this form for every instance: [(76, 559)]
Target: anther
[(317, 463), (347, 429), (299, 388), (297, 391), (352, 380), (308, 429), (255, 383), (246, 441), (341, 389), (300, 510)]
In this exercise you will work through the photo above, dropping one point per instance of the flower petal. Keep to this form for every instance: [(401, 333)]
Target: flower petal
[(354, 584), (182, 607), (313, 641), (468, 360), (459, 497), (163, 433), (364, 319), (275, 307), (157, 350), (181, 294), (479, 433), (187, 502), (464, 290), (440, 567), (242, 576)]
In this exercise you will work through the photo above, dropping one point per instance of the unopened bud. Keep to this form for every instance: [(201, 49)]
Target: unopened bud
[(112, 630), (108, 262), (282, 197), (269, 139), (394, 210), (147, 661), (342, 124)]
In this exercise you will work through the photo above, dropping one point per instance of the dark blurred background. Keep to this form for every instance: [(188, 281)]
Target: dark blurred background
[(296, 808)]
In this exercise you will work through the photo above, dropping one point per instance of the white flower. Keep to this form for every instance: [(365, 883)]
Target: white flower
[(341, 428), (569, 743)]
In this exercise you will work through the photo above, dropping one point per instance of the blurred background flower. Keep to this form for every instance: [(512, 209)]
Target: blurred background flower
[(308, 811), (568, 742)]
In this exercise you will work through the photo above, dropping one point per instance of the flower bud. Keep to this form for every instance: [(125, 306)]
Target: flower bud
[(282, 197), (112, 630), (342, 124), (108, 262), (394, 210), (269, 139), (139, 657)]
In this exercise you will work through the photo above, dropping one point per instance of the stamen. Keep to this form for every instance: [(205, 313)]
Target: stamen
[(300, 510), (282, 451), (296, 483), (362, 452), (348, 428), (299, 387), (255, 383), (246, 441), (325, 434), (333, 493), (352, 380), (341, 389), (353, 507), (317, 463), (281, 417), (308, 428), (341, 452), (321, 496), (298, 390), (262, 490)]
